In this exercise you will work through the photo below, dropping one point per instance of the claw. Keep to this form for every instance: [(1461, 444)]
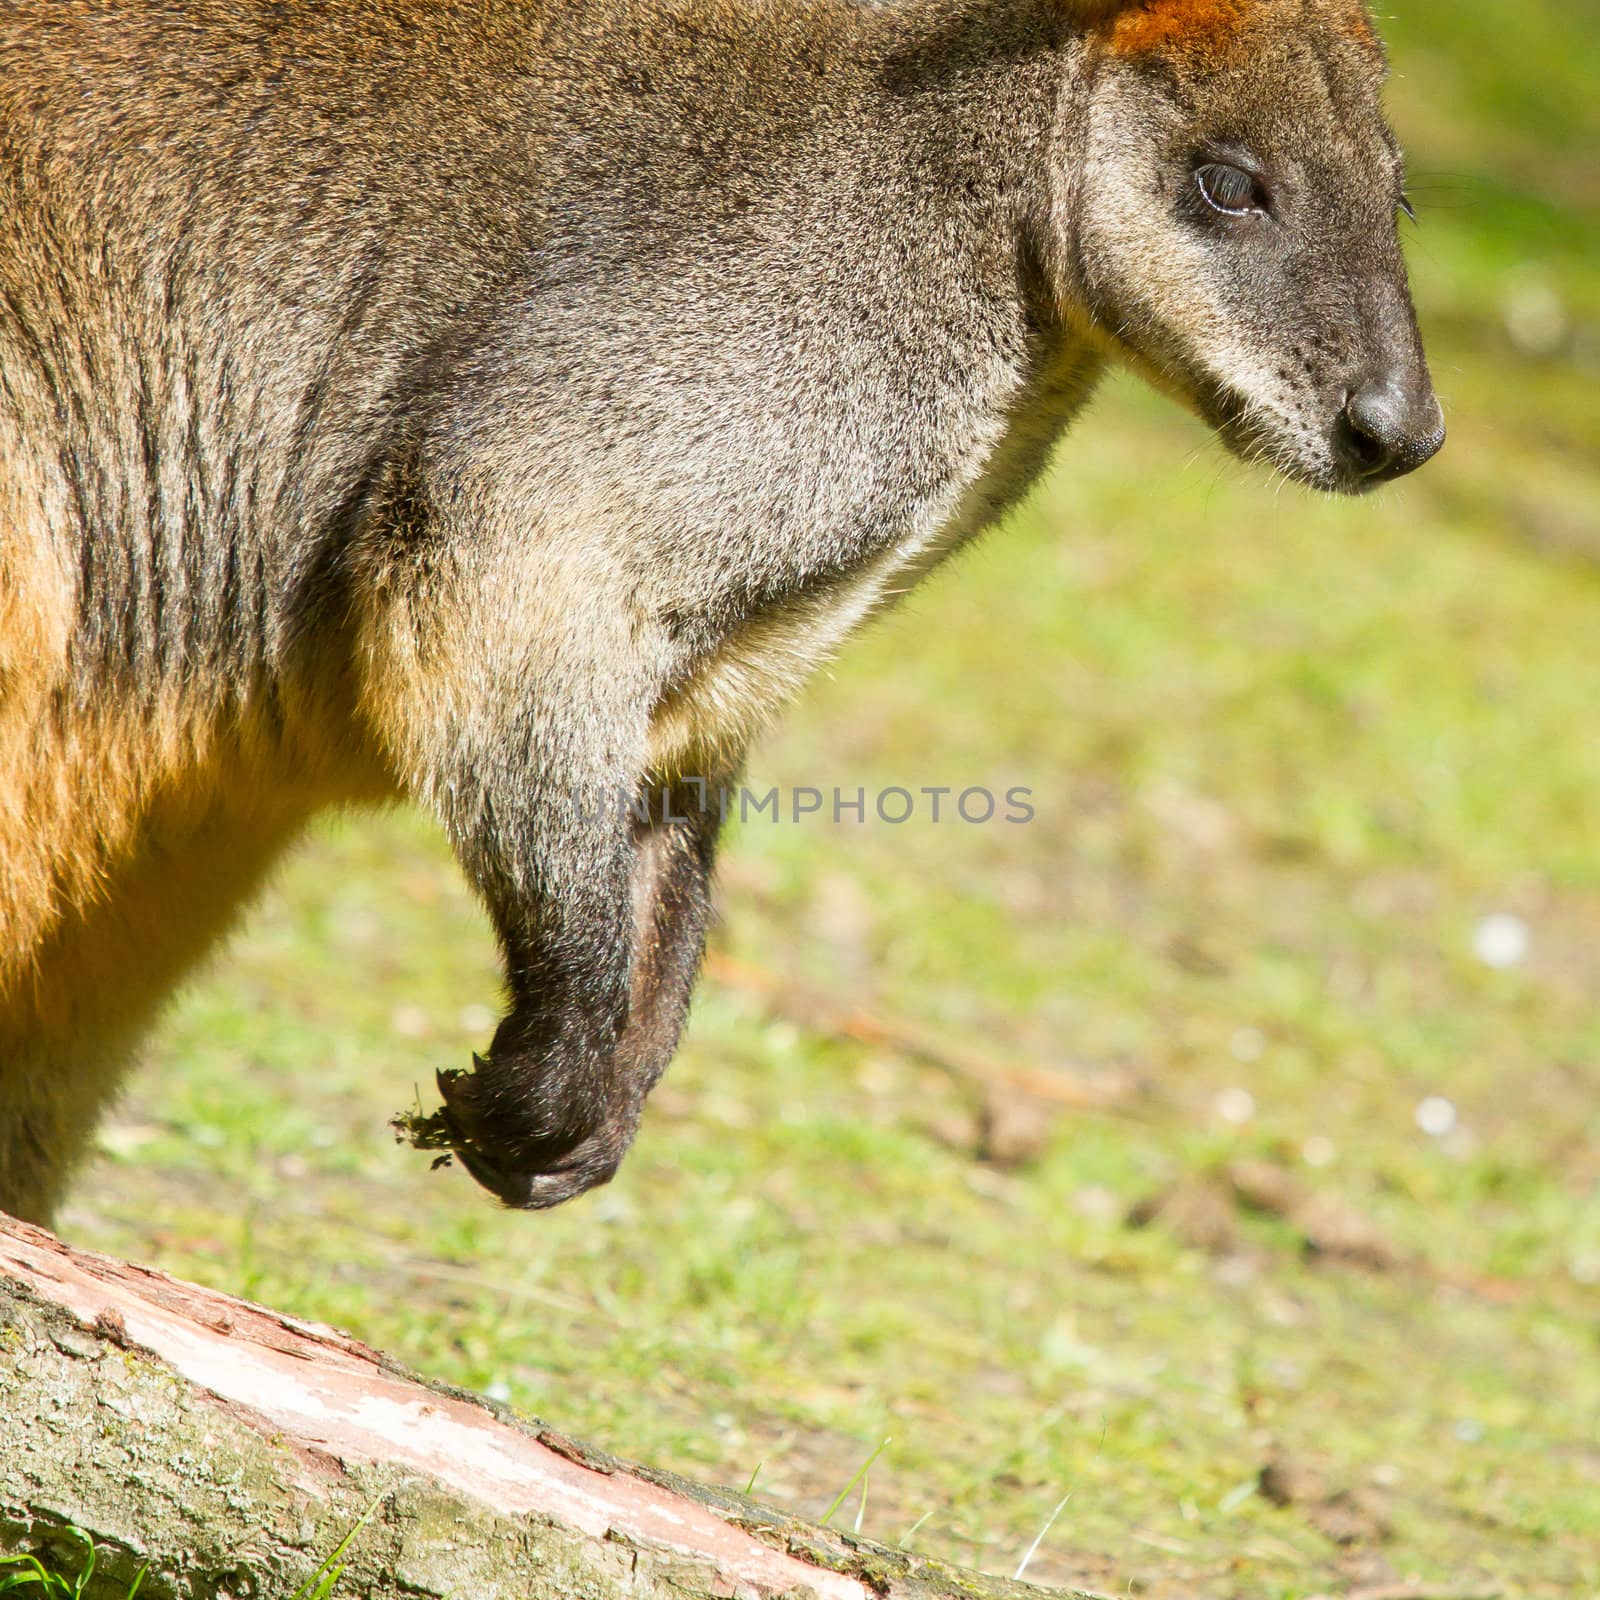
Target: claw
[(456, 1112)]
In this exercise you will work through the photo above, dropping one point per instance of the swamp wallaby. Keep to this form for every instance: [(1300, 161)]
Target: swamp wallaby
[(494, 401)]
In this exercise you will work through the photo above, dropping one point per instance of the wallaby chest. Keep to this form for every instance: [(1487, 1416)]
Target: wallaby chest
[(733, 689)]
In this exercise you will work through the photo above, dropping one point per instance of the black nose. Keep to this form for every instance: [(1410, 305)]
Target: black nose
[(1390, 429)]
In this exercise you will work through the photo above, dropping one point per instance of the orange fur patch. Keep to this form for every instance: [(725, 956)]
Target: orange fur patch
[(1164, 27), (1357, 25)]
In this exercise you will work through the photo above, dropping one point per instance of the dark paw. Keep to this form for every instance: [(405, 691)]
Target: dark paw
[(528, 1163)]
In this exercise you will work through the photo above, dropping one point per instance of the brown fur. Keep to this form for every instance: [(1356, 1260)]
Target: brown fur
[(483, 402)]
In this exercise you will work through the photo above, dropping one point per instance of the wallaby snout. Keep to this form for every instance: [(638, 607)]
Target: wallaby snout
[(1392, 425)]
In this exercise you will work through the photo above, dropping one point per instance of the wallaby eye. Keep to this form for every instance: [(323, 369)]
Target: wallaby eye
[(1230, 189)]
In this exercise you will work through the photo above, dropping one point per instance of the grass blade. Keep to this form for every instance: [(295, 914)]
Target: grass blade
[(1038, 1538), (320, 1584), (861, 1472)]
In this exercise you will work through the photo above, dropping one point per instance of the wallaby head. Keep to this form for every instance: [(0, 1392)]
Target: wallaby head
[(1229, 224)]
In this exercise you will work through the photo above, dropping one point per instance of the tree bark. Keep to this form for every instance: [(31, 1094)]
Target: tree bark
[(229, 1449)]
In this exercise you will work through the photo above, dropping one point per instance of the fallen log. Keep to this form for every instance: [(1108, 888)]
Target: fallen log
[(228, 1449)]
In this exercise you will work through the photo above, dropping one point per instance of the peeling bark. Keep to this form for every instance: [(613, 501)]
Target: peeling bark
[(230, 1448)]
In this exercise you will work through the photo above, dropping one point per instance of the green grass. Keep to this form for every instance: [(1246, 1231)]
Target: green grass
[(30, 1576), (1286, 754), (322, 1583), (27, 1576)]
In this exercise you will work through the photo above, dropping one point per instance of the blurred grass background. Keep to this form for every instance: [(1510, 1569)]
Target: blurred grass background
[(1298, 768)]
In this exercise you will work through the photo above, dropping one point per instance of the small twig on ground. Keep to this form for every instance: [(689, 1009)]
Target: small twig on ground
[(817, 1014), (1411, 1591)]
